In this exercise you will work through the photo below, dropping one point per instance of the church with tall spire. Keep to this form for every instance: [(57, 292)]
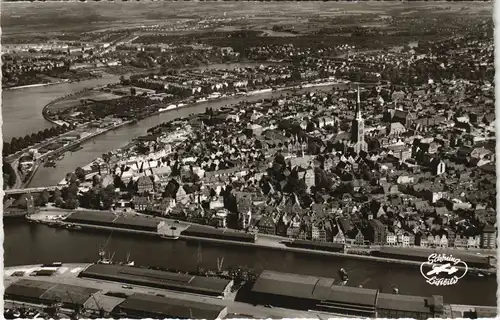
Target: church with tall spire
[(358, 128)]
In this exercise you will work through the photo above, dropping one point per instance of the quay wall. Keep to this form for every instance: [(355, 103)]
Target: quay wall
[(32, 174), (272, 246), (463, 310), (69, 146)]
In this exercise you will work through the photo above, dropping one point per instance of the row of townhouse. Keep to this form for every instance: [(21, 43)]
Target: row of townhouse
[(375, 233), (443, 241)]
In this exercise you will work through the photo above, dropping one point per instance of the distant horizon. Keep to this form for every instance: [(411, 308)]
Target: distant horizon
[(247, 1)]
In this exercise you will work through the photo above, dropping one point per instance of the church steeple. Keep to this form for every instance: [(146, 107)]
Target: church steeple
[(358, 105), (358, 128)]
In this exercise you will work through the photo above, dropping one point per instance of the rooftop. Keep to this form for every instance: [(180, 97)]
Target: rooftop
[(313, 288), (144, 304), (156, 278), (27, 289), (407, 303)]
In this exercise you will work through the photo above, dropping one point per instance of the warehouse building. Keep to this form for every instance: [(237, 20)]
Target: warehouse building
[(109, 219), (321, 294), (414, 307), (92, 217), (43, 292), (317, 245), (221, 234), (312, 293), (209, 286), (140, 306)]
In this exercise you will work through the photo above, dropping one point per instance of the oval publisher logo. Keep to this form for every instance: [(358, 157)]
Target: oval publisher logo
[(443, 269)]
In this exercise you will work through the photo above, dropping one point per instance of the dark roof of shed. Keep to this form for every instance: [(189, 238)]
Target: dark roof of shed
[(28, 288), (404, 303), (102, 216), (151, 278), (309, 287), (211, 230), (69, 294), (36, 289), (171, 308), (318, 244), (486, 312), (137, 221)]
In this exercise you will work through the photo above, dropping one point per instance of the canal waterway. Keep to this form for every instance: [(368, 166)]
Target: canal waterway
[(34, 243)]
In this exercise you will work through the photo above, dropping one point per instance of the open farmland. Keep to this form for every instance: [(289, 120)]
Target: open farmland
[(45, 18)]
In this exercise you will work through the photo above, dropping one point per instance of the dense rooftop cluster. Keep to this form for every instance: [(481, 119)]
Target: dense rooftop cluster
[(287, 166), (407, 159)]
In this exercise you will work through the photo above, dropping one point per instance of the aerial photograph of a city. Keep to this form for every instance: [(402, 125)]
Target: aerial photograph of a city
[(248, 159)]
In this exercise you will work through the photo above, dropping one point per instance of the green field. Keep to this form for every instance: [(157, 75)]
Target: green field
[(74, 100)]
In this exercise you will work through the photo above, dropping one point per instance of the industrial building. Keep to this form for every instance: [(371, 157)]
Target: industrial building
[(109, 219), (312, 293), (43, 292), (317, 245), (321, 294), (221, 234), (414, 307), (209, 286), (136, 305), (140, 306)]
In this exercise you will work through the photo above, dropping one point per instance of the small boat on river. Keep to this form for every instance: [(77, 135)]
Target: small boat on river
[(343, 275), (169, 237), (128, 262)]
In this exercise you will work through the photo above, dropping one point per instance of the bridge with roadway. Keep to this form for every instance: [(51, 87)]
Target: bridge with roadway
[(30, 190)]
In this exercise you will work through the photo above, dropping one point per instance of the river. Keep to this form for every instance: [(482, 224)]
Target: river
[(34, 243), (22, 108), (28, 244), (22, 114)]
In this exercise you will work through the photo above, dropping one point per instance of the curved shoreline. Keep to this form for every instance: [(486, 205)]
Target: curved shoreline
[(33, 85), (44, 109), (321, 83)]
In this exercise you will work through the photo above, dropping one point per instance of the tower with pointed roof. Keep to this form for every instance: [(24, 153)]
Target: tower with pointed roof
[(358, 128)]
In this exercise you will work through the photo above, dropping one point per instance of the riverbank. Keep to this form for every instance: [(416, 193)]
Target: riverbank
[(50, 244), (68, 273), (48, 105), (262, 242), (320, 83), (36, 85), (65, 148), (185, 105)]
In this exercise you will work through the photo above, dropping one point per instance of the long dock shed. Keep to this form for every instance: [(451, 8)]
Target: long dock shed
[(140, 306), (209, 286)]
